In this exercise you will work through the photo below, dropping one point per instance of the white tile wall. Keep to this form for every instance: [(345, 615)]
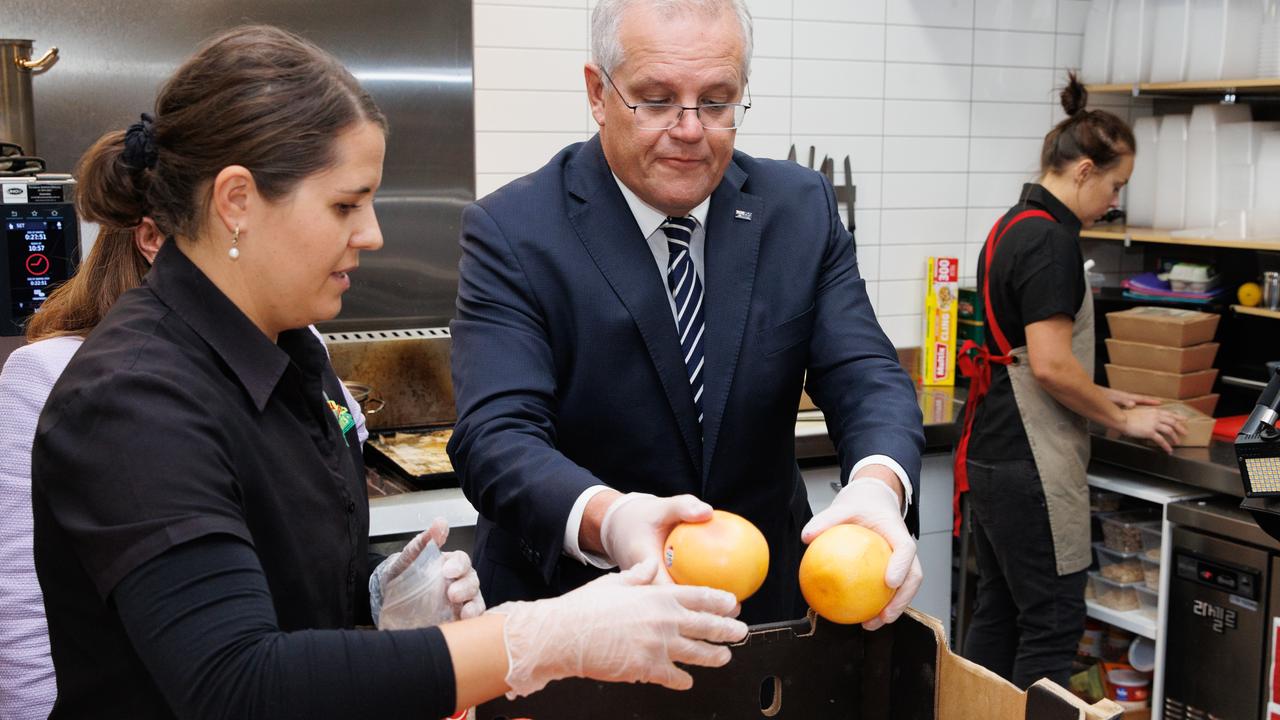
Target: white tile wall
[(1018, 49), (940, 104), (904, 43)]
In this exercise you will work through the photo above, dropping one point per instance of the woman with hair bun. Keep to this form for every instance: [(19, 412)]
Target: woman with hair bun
[(200, 516), (1025, 446)]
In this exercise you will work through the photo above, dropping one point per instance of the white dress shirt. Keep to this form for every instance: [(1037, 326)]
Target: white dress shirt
[(650, 223)]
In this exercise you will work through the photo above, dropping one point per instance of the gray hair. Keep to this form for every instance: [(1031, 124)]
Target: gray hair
[(606, 50)]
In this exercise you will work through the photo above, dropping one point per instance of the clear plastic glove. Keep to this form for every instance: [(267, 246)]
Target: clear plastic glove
[(637, 524), (619, 628), (869, 502), (421, 586)]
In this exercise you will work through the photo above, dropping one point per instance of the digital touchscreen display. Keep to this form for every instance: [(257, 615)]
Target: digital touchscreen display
[(37, 261)]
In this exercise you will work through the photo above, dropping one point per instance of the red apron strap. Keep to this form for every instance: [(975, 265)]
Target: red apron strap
[(975, 361), (990, 251)]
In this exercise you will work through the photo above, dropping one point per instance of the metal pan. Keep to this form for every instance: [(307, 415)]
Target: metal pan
[(377, 454)]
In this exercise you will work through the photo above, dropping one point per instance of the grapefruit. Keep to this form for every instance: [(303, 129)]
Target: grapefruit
[(842, 574), (726, 552)]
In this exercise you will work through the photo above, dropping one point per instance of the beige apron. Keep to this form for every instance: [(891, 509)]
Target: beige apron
[(1059, 440)]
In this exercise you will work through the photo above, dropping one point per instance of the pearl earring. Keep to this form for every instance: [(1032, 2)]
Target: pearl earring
[(234, 252)]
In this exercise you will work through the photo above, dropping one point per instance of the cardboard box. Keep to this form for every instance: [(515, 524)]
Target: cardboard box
[(1163, 326), (1199, 425), (941, 307), (806, 402), (817, 670), (1162, 357), (1161, 384), (1202, 403)]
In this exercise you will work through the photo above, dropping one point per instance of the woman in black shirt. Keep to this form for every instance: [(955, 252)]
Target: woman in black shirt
[(1026, 443), (201, 522)]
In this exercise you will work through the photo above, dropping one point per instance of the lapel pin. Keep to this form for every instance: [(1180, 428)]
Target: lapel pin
[(742, 215)]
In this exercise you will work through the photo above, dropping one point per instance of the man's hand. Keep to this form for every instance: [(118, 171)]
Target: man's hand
[(873, 500), (636, 525)]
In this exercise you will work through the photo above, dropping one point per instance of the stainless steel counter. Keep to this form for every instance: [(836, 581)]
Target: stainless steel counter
[(1213, 468)]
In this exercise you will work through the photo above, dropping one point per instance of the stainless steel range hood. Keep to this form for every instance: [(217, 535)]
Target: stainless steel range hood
[(414, 57)]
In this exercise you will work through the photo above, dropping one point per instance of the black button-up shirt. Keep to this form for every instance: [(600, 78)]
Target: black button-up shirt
[(178, 419)]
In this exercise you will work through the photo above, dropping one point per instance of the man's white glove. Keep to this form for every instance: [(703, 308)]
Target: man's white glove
[(421, 586), (636, 526), (619, 628), (871, 503)]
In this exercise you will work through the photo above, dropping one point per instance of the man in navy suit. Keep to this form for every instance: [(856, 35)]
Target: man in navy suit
[(635, 323)]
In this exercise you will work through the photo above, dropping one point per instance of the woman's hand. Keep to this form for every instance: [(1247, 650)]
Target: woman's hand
[(1128, 400), (619, 628), (404, 593), (1152, 423)]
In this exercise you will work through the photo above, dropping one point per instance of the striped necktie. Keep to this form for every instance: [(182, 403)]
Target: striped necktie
[(686, 291)]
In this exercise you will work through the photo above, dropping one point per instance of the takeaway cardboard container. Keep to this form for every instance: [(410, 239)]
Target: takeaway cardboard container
[(1161, 357), (1204, 403), (816, 670), (1163, 326), (1161, 384), (1199, 425)]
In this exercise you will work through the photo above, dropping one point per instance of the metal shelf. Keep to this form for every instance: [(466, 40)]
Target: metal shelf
[(1150, 235), (1162, 493), (1135, 621)]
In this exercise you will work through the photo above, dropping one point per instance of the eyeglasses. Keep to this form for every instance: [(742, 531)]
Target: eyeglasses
[(664, 116)]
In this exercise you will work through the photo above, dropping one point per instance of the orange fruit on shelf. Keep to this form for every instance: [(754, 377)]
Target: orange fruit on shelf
[(726, 552), (1249, 294), (842, 574)]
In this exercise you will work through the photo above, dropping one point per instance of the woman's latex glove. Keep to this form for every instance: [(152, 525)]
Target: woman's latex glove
[(421, 586), (619, 628), (869, 502), (636, 526)]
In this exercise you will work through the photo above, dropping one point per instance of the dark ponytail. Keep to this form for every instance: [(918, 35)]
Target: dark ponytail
[(112, 193), (1095, 134)]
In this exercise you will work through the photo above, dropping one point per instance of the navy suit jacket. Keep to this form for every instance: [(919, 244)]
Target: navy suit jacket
[(567, 370)]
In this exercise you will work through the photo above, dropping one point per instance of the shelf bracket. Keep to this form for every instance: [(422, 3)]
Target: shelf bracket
[(1134, 90), (1128, 239)]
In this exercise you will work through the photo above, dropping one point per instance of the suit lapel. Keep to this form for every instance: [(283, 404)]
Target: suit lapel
[(605, 225), (734, 225)]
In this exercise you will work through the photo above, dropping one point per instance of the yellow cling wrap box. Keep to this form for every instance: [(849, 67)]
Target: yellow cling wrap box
[(941, 306)]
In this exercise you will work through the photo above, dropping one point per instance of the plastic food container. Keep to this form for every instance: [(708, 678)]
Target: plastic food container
[(1150, 573), (1142, 654), (1130, 688), (1104, 500), (1123, 531), (1148, 600), (1151, 535), (1119, 567), (1114, 595)]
